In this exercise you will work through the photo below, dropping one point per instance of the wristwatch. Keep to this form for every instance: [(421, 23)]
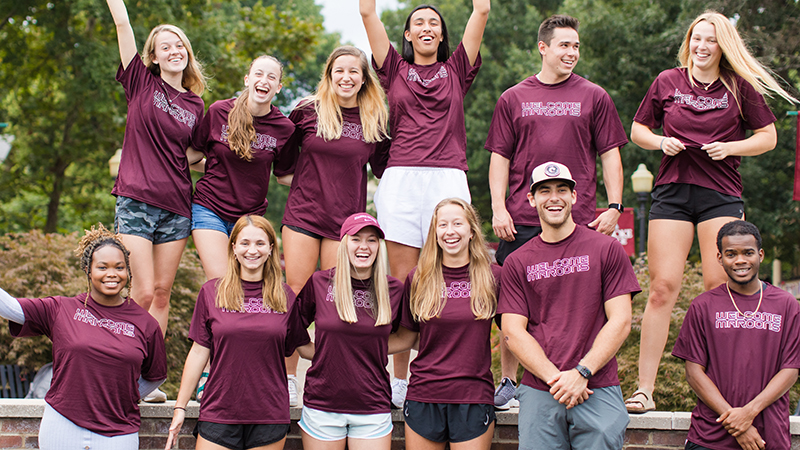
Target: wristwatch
[(617, 206), (584, 371)]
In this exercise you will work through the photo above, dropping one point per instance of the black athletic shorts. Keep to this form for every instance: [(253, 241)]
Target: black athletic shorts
[(693, 446), (241, 437), (302, 231), (443, 422), (524, 234), (692, 203)]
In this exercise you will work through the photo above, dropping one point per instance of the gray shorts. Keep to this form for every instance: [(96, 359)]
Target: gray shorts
[(56, 432), (150, 222), (598, 423)]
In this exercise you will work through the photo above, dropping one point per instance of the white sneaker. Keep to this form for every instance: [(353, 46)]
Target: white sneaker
[(157, 396), (293, 400), (399, 389)]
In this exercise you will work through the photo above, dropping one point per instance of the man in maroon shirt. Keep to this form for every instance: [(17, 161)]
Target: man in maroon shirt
[(565, 300), (554, 115)]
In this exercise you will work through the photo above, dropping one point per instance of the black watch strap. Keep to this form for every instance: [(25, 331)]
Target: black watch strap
[(617, 206), (584, 371)]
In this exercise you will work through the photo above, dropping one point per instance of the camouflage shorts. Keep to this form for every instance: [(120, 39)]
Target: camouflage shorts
[(150, 222)]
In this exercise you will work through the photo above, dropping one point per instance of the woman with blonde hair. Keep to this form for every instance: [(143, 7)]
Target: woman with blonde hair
[(154, 188), (355, 307), (704, 108), (449, 302), (102, 343), (340, 129), (245, 323)]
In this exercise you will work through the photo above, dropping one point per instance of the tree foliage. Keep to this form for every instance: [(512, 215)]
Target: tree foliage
[(57, 67)]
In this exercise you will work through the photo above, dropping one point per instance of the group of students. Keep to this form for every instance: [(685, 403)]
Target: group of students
[(547, 130)]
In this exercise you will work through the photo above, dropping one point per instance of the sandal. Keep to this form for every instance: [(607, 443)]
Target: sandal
[(640, 402), (201, 385)]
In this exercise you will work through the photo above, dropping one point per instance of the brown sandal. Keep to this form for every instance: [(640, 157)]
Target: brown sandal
[(640, 402)]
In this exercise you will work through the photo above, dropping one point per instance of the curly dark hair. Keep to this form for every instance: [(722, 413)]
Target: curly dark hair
[(96, 238)]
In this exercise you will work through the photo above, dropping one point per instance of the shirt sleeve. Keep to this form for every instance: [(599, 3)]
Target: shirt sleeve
[(286, 156), (391, 65), (154, 366), (754, 108), (651, 110), (379, 158), (202, 132), (199, 330), (790, 347), (133, 78), (691, 343), (502, 137), (607, 126), (513, 281), (459, 60), (406, 318), (618, 275), (307, 302), (296, 333), (396, 290), (40, 315)]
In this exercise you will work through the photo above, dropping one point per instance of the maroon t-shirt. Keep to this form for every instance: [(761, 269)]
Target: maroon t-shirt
[(696, 117), (426, 109), (231, 186), (246, 346), (348, 373), (571, 122), (741, 355), (561, 288), (154, 169), (454, 363), (99, 353), (330, 182)]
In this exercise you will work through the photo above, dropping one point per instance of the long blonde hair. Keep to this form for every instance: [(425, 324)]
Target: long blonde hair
[(371, 102), (736, 59), (241, 132), (230, 294), (428, 290), (193, 77), (343, 288)]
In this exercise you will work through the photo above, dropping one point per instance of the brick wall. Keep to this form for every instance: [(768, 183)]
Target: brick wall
[(19, 426)]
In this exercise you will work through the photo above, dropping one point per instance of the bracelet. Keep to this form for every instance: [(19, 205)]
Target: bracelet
[(661, 145), (179, 407)]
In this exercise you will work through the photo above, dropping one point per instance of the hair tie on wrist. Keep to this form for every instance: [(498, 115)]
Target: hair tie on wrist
[(179, 407), (661, 145)]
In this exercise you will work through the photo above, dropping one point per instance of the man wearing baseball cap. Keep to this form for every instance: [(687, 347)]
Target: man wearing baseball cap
[(565, 300)]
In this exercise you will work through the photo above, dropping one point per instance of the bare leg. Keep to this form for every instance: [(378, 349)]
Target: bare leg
[(713, 274), (417, 442), (212, 246), (310, 443), (668, 247), (402, 259), (383, 443), (482, 442), (142, 276), (301, 253), (166, 259)]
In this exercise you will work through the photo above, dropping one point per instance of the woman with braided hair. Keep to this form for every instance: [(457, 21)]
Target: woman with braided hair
[(102, 344)]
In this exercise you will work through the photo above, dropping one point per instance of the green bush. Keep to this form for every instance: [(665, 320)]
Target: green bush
[(39, 265)]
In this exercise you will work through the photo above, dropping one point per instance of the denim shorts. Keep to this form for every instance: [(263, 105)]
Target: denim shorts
[(330, 426), (206, 219), (150, 222)]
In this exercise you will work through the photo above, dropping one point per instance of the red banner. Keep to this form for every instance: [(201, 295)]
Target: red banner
[(624, 230)]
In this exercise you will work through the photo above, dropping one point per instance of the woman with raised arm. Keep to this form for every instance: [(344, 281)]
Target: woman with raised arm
[(448, 305), (102, 343), (153, 188), (354, 307), (704, 108), (340, 129), (425, 86), (246, 323)]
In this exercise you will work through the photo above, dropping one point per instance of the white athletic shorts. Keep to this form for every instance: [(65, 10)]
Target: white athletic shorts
[(56, 432), (407, 196), (330, 426)]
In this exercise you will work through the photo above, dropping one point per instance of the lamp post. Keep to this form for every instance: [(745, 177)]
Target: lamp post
[(113, 163), (642, 181)]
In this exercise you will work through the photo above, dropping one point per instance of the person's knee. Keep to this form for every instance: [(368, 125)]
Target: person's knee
[(161, 297), (663, 293)]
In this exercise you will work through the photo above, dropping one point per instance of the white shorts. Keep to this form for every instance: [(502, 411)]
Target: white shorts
[(56, 432), (407, 196), (329, 426)]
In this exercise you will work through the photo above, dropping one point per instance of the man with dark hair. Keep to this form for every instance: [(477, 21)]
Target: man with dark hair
[(565, 300), (554, 115), (741, 344)]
